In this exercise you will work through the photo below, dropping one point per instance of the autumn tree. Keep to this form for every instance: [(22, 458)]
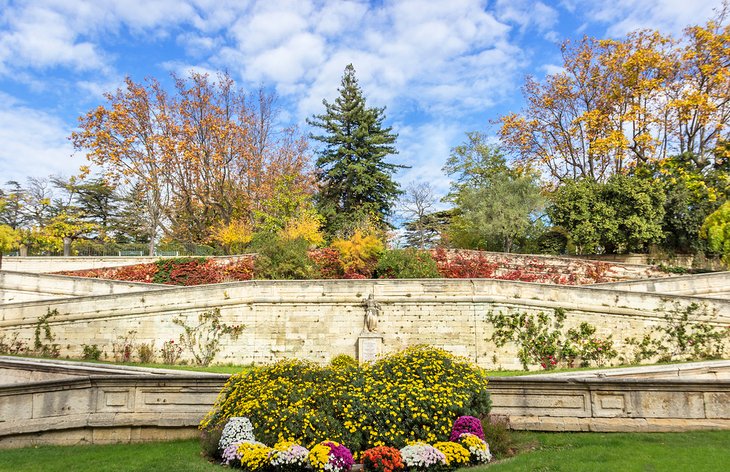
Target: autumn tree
[(355, 180), (622, 103), (127, 140), (200, 158), (9, 238)]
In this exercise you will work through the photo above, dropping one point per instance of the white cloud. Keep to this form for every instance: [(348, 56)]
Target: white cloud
[(667, 16), (529, 15), (34, 143), (425, 148)]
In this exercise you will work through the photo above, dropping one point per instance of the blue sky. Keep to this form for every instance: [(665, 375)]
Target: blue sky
[(441, 67)]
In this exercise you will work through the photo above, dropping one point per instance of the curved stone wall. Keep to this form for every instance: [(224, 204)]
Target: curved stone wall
[(318, 320)]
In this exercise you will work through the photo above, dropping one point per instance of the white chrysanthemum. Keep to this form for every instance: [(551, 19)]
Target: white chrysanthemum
[(422, 456), (237, 430)]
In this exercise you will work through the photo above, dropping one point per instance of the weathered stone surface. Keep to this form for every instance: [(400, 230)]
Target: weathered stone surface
[(317, 320)]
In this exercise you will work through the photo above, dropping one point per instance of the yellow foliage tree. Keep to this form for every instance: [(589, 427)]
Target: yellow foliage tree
[(307, 225), (233, 236), (620, 103), (9, 238), (359, 253)]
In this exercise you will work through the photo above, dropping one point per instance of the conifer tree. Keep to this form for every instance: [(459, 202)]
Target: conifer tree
[(355, 181)]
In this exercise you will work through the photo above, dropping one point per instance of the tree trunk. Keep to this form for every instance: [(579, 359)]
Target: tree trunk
[(66, 246), (152, 247)]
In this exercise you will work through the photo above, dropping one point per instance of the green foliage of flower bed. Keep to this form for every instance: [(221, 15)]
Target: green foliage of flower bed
[(414, 394)]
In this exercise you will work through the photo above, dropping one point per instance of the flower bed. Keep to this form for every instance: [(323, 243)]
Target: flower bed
[(412, 395), (329, 456)]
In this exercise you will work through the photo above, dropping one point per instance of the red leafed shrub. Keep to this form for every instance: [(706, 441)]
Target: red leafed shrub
[(520, 276), (457, 265), (328, 262), (135, 273), (596, 271), (241, 269), (195, 273)]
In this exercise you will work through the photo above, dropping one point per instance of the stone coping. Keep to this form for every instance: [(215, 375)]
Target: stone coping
[(80, 368), (106, 404), (666, 371)]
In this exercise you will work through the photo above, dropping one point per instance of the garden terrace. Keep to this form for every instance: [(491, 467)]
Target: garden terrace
[(87, 403)]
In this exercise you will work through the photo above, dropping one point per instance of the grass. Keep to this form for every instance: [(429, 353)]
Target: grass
[(540, 452), (159, 457), (642, 452)]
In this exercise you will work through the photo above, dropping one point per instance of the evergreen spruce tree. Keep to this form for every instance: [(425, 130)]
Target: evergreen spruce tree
[(355, 181)]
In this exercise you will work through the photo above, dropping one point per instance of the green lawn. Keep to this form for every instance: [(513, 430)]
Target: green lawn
[(543, 452), (641, 452)]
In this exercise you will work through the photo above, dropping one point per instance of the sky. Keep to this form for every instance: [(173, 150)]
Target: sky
[(440, 67)]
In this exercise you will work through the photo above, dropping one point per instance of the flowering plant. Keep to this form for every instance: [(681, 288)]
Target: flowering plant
[(456, 455), (329, 456), (253, 455), (289, 456), (421, 456), (466, 424), (382, 459), (236, 430), (478, 448)]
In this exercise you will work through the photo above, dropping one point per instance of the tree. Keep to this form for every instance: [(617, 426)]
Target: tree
[(716, 229), (691, 195), (199, 158), (417, 201), (355, 181), (431, 229), (496, 205), (9, 239), (622, 103), (11, 209), (624, 214)]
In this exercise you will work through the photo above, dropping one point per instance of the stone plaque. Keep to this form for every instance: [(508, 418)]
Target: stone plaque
[(369, 346)]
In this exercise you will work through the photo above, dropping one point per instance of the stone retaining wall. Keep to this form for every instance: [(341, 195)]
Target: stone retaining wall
[(706, 285), (145, 406), (646, 402), (317, 320), (16, 287)]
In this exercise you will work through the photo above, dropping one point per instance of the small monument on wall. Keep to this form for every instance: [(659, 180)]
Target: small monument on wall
[(370, 342)]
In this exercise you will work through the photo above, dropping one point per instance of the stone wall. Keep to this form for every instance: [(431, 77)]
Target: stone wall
[(716, 285), (46, 264), (611, 405), (113, 404), (318, 320), (18, 287)]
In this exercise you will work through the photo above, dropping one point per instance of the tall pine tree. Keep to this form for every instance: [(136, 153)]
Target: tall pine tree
[(355, 181)]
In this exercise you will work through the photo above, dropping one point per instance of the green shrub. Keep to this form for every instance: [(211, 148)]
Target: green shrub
[(414, 394), (146, 352), (282, 259), (542, 339), (91, 352), (406, 264), (497, 434), (553, 241)]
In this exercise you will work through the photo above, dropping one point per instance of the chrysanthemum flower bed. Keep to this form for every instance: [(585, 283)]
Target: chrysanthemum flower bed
[(388, 412), (328, 456)]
